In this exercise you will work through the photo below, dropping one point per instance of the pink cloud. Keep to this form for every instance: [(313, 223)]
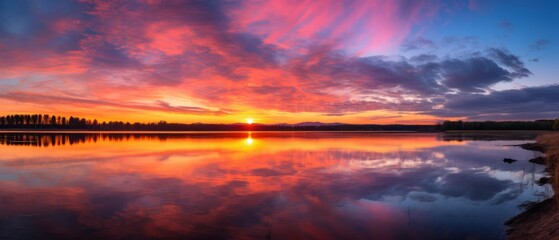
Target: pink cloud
[(295, 56), (368, 25)]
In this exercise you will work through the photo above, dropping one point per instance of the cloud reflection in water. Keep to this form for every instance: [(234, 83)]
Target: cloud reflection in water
[(232, 185)]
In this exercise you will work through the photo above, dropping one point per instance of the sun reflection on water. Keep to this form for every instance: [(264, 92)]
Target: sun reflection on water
[(249, 139)]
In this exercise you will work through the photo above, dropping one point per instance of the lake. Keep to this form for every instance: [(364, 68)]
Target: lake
[(264, 185)]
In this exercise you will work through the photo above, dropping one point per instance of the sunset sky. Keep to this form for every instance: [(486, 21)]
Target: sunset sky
[(399, 61)]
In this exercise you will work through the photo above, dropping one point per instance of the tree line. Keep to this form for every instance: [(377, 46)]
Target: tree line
[(53, 122), (43, 121), (501, 125)]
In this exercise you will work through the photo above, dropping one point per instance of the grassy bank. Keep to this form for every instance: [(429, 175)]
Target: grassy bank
[(551, 148), (541, 220)]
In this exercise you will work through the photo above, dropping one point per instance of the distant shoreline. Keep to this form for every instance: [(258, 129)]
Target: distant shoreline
[(39, 122)]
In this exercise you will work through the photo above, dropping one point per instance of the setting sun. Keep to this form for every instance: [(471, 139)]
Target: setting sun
[(250, 120)]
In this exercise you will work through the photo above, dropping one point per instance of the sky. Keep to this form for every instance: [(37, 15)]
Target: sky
[(280, 61)]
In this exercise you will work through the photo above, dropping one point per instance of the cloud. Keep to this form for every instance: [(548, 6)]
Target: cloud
[(526, 103), (379, 82), (161, 106), (417, 44), (511, 61), (423, 58), (318, 57), (473, 186), (298, 24), (540, 44), (473, 74), (268, 172)]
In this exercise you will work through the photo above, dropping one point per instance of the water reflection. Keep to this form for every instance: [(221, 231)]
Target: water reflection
[(249, 138), (235, 185)]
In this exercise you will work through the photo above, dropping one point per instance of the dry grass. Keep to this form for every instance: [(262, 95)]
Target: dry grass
[(541, 221), (551, 143)]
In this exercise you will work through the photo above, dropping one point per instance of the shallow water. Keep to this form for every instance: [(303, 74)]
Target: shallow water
[(263, 185)]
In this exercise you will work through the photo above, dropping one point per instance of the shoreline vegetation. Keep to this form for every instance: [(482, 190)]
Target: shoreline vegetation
[(46, 122), (540, 220)]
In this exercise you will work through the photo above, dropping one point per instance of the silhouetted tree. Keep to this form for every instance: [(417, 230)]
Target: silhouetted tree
[(46, 119), (34, 119)]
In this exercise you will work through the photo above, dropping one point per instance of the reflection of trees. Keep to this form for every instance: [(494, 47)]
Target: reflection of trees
[(486, 136), (61, 139), (45, 140)]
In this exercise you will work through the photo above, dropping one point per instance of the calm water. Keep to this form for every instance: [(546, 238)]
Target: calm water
[(253, 186)]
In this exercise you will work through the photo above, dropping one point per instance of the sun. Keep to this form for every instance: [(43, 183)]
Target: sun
[(250, 120)]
